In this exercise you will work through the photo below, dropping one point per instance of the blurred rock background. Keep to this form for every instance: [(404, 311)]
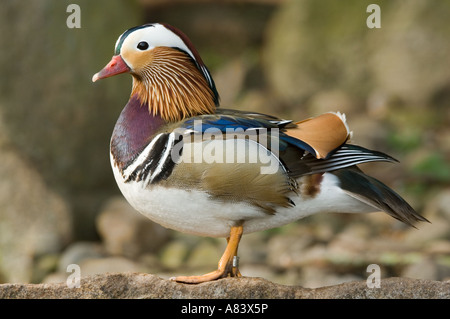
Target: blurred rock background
[(59, 203)]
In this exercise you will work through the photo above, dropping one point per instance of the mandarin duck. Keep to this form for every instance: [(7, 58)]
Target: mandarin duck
[(193, 167)]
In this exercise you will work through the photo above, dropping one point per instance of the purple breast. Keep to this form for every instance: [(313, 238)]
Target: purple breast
[(134, 129)]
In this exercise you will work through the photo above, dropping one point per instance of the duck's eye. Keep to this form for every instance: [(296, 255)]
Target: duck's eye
[(142, 45)]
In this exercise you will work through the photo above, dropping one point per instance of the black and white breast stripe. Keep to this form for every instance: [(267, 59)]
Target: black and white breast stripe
[(155, 162)]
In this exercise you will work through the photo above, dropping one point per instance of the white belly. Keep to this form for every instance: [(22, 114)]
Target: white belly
[(193, 211)]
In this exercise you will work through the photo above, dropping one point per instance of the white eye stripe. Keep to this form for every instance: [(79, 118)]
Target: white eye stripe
[(155, 36)]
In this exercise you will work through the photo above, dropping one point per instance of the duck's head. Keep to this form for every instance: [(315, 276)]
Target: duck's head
[(168, 74)]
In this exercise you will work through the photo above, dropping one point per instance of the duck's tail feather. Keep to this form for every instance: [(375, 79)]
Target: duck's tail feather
[(376, 194)]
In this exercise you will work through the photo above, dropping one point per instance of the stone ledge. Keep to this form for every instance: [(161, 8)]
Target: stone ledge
[(139, 285)]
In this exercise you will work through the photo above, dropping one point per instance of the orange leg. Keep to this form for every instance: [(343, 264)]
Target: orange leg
[(227, 264)]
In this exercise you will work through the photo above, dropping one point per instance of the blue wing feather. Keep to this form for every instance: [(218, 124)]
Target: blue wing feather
[(233, 120), (224, 122)]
